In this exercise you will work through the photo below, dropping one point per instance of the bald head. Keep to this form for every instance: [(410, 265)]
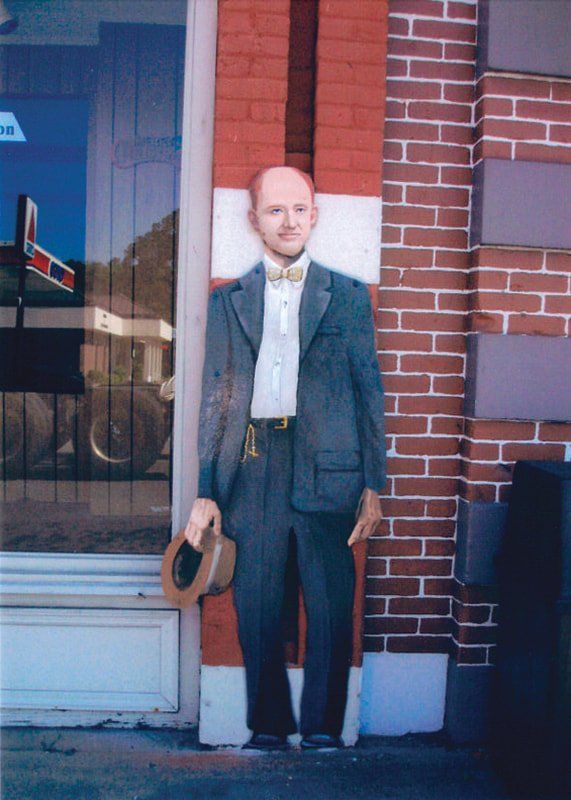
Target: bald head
[(283, 211)]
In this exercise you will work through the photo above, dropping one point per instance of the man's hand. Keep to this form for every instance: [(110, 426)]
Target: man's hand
[(369, 515), (205, 517)]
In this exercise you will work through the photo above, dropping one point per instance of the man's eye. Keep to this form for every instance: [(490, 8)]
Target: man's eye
[(276, 211), (300, 210)]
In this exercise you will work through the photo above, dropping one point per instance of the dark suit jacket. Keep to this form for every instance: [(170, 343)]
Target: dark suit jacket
[(339, 440)]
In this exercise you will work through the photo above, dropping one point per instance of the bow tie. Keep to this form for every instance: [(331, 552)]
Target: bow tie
[(294, 274)]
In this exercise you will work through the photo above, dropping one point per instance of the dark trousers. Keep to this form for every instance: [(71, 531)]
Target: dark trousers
[(263, 524)]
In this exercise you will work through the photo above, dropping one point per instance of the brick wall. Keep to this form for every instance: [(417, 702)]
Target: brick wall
[(423, 304)]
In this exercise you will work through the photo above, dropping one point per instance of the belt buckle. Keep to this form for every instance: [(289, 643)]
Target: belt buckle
[(282, 425)]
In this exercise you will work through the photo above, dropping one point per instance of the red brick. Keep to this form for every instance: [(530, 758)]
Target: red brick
[(444, 467), (459, 176), (376, 567), (427, 445), (422, 109), (432, 363), (394, 109), (376, 625), (513, 87), (420, 566), (561, 91), (414, 47), (500, 258), (495, 301), (410, 173), (406, 257), (436, 196), (500, 431), (411, 89), (406, 466), (448, 385), (455, 31), (495, 106), (395, 547), (393, 586), (435, 237), (433, 279), (425, 487), (392, 193), (375, 605), (406, 384), (441, 508), (486, 473), (476, 615), (391, 234), (491, 148), (392, 151), (485, 322), (450, 343), (555, 112), (430, 405), (401, 425), (395, 507), (423, 528), (446, 426), (401, 298), (459, 52), (418, 644), (373, 644), (369, 10), (511, 129), (397, 27), (438, 586), (425, 8), (554, 432), (356, 30), (457, 134), (477, 451), (440, 547), (406, 215), (560, 133), (459, 93), (516, 452), (537, 152), (536, 325), (438, 153), (462, 10), (452, 259), (411, 131), (452, 218), (474, 595), (432, 322), (251, 88), (558, 262), (435, 626), (422, 605), (478, 492), (488, 279), (475, 634), (522, 282), (442, 71)]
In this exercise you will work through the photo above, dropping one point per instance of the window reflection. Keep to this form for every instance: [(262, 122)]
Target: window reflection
[(89, 181)]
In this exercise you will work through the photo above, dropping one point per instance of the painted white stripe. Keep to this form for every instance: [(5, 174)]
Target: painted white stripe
[(347, 236), (403, 693), (223, 705)]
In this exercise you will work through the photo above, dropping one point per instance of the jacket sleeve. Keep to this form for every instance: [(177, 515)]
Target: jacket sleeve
[(215, 394), (367, 383)]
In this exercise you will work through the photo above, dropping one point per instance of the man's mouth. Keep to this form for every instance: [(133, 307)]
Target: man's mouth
[(289, 235)]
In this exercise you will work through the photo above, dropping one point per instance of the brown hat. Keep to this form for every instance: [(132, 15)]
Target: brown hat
[(186, 573)]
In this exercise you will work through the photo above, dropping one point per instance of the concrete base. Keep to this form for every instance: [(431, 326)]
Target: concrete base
[(403, 693), (468, 702), (223, 705)]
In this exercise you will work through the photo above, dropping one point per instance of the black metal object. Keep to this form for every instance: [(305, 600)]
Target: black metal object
[(532, 709)]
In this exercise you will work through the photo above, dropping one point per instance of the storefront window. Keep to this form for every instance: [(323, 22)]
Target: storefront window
[(90, 156)]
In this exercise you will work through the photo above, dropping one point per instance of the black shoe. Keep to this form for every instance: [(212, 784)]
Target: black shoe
[(320, 741), (266, 741)]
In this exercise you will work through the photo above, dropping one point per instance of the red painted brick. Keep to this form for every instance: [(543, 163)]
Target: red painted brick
[(536, 325), (435, 626), (440, 547), (378, 625), (395, 507), (555, 432), (423, 605), (404, 425), (418, 644), (414, 47), (427, 445), (459, 52), (393, 586), (427, 487), (406, 466), (451, 31), (420, 566), (411, 131), (511, 129), (442, 112), (536, 152), (430, 405), (530, 109), (441, 508), (513, 87), (441, 364), (410, 173), (436, 196), (516, 452)]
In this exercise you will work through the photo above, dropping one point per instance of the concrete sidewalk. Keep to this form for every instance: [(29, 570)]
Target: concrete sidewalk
[(62, 764)]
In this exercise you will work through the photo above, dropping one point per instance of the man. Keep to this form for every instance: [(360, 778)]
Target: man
[(291, 444)]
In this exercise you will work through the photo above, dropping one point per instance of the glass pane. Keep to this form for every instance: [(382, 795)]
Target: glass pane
[(90, 151)]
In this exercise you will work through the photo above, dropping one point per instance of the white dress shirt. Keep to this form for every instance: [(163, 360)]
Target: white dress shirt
[(277, 367)]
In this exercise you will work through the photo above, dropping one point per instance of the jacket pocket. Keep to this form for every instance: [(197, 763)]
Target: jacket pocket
[(339, 477)]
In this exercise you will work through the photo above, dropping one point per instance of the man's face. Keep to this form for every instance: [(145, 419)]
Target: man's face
[(284, 213)]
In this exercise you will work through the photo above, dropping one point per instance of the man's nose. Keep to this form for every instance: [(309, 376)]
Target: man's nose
[(290, 220)]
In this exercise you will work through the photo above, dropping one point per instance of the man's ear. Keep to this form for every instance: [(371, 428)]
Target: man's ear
[(313, 215), (253, 217)]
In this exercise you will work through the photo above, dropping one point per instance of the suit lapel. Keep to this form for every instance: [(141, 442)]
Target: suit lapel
[(248, 302), (314, 302)]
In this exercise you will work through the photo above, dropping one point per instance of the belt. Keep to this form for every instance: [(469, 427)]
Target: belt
[(275, 423)]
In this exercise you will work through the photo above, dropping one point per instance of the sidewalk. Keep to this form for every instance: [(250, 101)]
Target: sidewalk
[(71, 764)]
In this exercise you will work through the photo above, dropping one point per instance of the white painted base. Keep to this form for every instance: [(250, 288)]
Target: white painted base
[(223, 705), (347, 236), (403, 693)]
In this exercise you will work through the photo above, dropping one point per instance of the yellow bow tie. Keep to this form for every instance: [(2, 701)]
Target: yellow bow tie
[(294, 274)]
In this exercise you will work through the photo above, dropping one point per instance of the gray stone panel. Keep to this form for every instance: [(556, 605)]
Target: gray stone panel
[(518, 377), (467, 717), (480, 533), (521, 203), (524, 36)]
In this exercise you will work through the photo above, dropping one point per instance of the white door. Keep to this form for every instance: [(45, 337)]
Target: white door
[(104, 265)]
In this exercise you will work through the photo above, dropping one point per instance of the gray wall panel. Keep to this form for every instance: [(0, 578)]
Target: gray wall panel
[(518, 377), (521, 203), (479, 538), (530, 36)]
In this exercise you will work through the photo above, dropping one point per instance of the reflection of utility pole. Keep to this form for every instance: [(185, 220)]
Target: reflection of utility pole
[(25, 239)]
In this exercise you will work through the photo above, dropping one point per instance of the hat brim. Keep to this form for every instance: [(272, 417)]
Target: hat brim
[(186, 574)]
